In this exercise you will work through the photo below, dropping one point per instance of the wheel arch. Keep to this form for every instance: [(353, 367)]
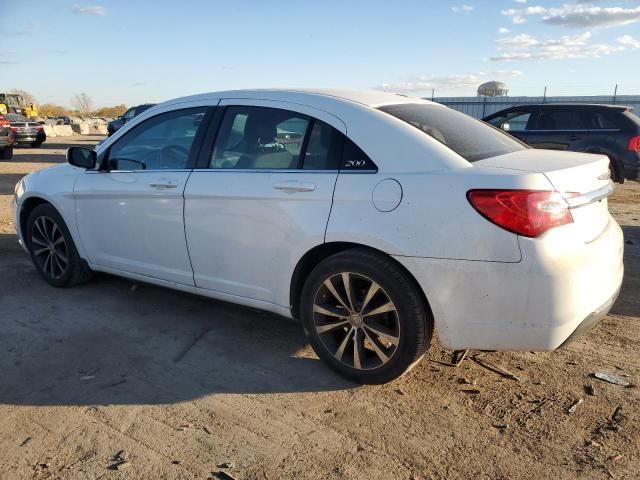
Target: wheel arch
[(27, 207), (615, 164), (317, 254)]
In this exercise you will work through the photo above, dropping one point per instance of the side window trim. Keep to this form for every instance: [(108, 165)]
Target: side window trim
[(195, 147)]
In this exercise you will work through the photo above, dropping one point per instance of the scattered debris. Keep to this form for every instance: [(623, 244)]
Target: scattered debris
[(590, 390), (122, 465), (614, 379), (466, 381), (176, 462), (572, 362), (458, 356), (207, 430), (471, 391), (120, 456), (225, 465), (616, 416), (616, 458), (399, 391), (575, 405), (495, 368), (500, 426), (224, 475), (195, 340), (25, 441)]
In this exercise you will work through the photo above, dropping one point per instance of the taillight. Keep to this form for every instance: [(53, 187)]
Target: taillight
[(14, 129), (4, 122), (634, 144), (38, 128), (529, 213)]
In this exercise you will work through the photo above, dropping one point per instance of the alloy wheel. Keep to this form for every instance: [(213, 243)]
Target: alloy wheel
[(356, 321), (49, 247)]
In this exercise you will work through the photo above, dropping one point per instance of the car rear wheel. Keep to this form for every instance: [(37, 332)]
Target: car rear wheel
[(365, 317), (7, 153), (52, 249)]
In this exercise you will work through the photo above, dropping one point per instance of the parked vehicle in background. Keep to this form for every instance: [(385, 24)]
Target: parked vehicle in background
[(611, 130), (6, 139), (26, 131), (63, 120), (370, 216), (114, 125)]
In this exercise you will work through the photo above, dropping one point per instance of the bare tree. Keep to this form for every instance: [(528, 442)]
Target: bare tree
[(28, 98), (82, 103)]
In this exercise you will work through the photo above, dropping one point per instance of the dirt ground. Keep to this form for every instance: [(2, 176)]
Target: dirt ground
[(90, 371)]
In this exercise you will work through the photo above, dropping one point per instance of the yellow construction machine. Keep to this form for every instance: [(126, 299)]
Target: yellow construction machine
[(15, 103)]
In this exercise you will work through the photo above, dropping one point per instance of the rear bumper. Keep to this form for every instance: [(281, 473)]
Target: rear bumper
[(558, 290), (29, 138)]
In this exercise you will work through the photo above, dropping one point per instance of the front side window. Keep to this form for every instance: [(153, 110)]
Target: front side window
[(472, 139), (161, 143), (559, 120), (259, 138)]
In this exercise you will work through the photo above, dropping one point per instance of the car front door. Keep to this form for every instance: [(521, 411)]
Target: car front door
[(558, 128), (261, 197), (130, 211)]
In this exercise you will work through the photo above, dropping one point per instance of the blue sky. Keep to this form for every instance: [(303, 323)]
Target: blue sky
[(133, 51)]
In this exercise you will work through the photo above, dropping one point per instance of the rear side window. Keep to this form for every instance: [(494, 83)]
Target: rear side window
[(472, 139), (600, 121), (259, 138), (324, 148), (559, 120), (353, 158)]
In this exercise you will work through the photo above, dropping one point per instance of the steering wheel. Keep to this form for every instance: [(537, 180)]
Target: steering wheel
[(172, 156)]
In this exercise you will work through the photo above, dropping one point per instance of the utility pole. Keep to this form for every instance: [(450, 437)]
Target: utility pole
[(615, 93), (433, 92), (544, 96)]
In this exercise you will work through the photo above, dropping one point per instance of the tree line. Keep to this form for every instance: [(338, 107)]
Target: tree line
[(81, 103)]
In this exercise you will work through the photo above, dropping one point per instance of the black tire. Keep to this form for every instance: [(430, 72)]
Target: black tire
[(409, 324), (41, 237), (616, 172), (36, 144), (7, 153)]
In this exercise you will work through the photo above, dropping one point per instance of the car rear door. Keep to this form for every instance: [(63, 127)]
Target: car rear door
[(261, 196), (130, 213), (558, 128)]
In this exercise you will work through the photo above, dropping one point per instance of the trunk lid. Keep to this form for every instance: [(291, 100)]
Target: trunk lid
[(584, 176)]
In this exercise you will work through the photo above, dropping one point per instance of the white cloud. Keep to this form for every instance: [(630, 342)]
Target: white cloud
[(97, 10), (577, 15), (463, 8), (520, 1), (629, 41), (528, 47), (426, 83), (503, 30)]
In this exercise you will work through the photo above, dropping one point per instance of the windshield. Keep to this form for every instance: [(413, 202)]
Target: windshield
[(470, 138), (14, 117)]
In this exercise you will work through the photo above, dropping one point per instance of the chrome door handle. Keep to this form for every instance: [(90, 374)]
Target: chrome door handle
[(168, 184), (294, 186)]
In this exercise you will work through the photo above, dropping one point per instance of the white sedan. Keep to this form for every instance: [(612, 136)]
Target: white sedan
[(372, 217)]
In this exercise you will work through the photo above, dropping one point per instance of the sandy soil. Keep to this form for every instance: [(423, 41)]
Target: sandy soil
[(91, 371)]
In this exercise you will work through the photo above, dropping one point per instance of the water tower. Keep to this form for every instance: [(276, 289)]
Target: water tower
[(493, 89)]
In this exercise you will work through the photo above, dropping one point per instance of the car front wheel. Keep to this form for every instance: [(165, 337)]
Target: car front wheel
[(7, 153), (365, 317), (52, 249)]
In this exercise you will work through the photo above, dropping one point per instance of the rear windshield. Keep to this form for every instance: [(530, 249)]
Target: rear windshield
[(472, 139)]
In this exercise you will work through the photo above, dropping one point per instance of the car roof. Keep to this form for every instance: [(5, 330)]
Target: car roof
[(573, 105), (371, 98)]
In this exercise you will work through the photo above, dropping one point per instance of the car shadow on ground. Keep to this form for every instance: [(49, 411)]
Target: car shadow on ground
[(113, 341)]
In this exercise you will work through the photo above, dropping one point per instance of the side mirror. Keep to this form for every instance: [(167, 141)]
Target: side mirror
[(82, 157), (506, 127)]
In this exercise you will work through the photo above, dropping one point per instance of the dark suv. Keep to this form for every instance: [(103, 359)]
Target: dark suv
[(611, 130), (115, 125)]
